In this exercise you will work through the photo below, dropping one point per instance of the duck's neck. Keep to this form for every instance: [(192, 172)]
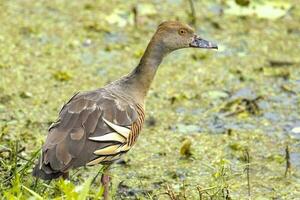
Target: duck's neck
[(140, 79)]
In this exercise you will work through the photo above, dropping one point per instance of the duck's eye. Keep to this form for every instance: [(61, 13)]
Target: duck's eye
[(182, 31)]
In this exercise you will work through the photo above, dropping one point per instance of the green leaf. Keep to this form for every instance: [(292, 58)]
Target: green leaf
[(62, 75)]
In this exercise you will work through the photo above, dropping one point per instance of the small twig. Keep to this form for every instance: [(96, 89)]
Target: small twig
[(23, 158), (184, 190), (200, 193), (149, 196), (226, 194), (21, 150), (16, 157), (204, 190), (248, 171), (171, 193), (288, 161), (240, 110), (135, 15)]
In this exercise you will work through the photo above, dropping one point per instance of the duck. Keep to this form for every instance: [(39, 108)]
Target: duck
[(100, 126)]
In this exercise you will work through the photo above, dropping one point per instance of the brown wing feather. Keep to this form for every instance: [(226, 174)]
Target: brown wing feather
[(67, 144)]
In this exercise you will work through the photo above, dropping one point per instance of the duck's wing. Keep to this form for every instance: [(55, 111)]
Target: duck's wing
[(93, 127)]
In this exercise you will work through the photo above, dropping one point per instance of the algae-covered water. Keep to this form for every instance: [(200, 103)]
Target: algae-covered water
[(219, 124)]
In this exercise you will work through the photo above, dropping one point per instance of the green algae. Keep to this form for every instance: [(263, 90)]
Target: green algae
[(51, 49)]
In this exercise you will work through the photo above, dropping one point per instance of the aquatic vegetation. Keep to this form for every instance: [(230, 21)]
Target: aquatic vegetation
[(239, 107)]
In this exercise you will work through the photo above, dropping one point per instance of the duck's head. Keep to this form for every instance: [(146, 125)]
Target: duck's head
[(175, 35)]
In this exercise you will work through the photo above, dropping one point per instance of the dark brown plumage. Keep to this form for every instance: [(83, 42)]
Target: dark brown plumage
[(101, 125)]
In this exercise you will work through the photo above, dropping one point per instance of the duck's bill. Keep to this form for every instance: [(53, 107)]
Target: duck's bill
[(200, 43)]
